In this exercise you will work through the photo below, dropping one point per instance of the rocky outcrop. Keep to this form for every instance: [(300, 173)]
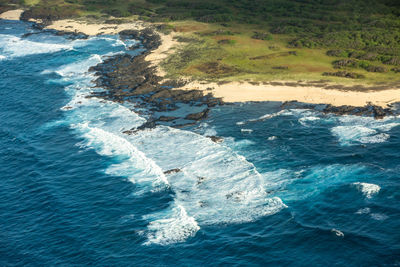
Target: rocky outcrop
[(368, 110), (172, 171), (198, 116), (127, 78), (216, 139)]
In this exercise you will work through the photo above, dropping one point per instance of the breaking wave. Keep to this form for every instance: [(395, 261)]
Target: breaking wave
[(212, 184)]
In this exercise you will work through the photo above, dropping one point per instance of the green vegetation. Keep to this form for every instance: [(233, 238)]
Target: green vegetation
[(261, 39)]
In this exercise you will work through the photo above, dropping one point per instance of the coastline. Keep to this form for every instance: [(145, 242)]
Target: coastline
[(229, 92), (246, 91)]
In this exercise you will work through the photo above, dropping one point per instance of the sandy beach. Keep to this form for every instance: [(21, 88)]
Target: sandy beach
[(233, 91), (245, 91), (92, 28), (12, 14)]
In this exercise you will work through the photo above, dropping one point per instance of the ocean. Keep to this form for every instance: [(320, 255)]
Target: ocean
[(291, 187)]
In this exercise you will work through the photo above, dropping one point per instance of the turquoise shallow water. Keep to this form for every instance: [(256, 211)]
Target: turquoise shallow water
[(285, 188)]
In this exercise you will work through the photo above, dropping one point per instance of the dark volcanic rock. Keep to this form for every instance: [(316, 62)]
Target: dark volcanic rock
[(368, 110), (133, 79), (150, 39), (198, 116), (165, 118), (172, 171), (216, 139)]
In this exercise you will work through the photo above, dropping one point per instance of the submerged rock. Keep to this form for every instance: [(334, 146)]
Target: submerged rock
[(216, 139), (166, 118), (198, 116), (172, 171)]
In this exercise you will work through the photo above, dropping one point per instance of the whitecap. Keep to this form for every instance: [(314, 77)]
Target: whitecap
[(210, 131), (267, 116), (214, 185), (176, 227), (346, 134), (80, 67), (337, 232), (246, 130), (368, 190), (378, 138), (303, 121), (366, 130), (17, 47), (135, 165), (386, 127)]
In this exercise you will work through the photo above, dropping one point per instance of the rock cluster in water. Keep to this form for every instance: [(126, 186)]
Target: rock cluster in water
[(368, 110)]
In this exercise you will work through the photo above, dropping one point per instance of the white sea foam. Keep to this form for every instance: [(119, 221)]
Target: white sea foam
[(175, 228), (246, 130), (79, 67), (346, 134), (17, 47), (135, 165), (378, 138), (214, 185), (305, 120), (348, 129), (369, 190), (267, 116), (2, 57), (337, 232), (366, 130), (209, 131)]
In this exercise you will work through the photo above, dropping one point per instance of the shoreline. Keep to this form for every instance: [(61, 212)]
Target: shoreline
[(230, 92), (234, 92)]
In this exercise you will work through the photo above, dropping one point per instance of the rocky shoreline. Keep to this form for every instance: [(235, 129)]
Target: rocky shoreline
[(131, 78)]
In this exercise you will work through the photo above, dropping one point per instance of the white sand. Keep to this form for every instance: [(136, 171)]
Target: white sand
[(12, 14), (89, 28), (155, 57), (242, 92), (167, 47)]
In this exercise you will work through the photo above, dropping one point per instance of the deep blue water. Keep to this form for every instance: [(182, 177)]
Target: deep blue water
[(285, 188)]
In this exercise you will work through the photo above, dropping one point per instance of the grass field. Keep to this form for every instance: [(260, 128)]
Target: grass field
[(213, 52)]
